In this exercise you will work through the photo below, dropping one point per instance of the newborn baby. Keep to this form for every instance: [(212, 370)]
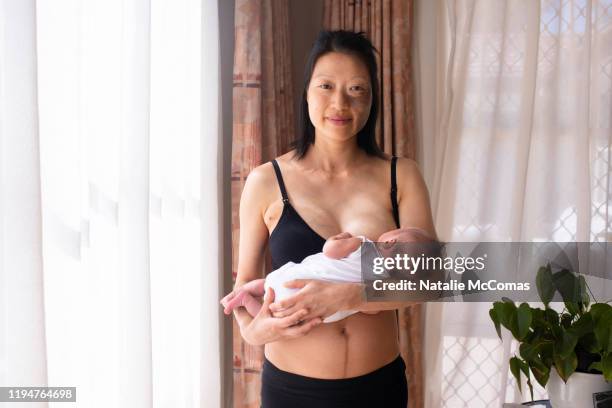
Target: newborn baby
[(340, 261)]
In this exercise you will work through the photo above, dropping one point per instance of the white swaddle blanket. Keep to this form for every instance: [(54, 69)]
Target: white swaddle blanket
[(318, 266)]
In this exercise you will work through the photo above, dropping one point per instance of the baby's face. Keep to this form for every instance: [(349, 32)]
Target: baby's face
[(404, 235)]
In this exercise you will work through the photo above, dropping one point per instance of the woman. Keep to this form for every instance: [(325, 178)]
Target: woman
[(335, 180)]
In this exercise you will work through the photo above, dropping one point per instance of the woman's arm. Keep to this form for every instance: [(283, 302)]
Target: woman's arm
[(263, 328), (413, 198), (330, 298)]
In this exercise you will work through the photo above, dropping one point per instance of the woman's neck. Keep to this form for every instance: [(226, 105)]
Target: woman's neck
[(331, 157)]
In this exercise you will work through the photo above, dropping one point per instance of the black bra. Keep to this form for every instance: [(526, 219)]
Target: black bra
[(293, 239)]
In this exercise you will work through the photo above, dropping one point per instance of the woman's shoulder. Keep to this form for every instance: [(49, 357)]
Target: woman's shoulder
[(404, 166), (260, 188), (409, 177), (408, 167), (262, 173), (286, 157), (407, 173)]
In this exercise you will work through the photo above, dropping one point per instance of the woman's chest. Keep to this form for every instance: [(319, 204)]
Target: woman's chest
[(331, 212)]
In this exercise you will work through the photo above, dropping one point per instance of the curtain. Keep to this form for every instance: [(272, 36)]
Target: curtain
[(109, 206), (263, 127), (521, 151), (23, 354), (389, 25)]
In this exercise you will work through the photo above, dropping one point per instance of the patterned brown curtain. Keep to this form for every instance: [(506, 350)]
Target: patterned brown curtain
[(388, 24), (262, 128)]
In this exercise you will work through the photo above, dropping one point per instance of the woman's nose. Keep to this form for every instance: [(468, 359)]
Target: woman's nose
[(340, 98)]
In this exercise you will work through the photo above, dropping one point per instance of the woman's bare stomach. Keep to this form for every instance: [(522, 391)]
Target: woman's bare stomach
[(354, 346)]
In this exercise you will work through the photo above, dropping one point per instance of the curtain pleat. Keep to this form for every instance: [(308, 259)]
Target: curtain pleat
[(135, 350), (389, 25), (23, 355)]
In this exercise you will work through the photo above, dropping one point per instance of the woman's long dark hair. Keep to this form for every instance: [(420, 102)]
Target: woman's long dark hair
[(347, 42)]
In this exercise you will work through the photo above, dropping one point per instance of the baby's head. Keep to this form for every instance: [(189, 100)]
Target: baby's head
[(387, 240), (405, 235)]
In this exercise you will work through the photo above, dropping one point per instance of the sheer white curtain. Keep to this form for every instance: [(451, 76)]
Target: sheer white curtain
[(109, 208), (22, 318), (516, 147)]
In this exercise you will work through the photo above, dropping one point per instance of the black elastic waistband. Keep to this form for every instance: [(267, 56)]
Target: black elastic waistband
[(275, 376)]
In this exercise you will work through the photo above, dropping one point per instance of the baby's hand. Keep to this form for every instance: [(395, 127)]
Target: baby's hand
[(341, 245), (342, 235), (233, 300)]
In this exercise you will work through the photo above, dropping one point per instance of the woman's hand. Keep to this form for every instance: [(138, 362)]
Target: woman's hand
[(264, 328), (320, 298)]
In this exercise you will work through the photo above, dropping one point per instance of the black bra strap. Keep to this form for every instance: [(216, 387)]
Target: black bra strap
[(396, 218), (281, 183), (394, 192)]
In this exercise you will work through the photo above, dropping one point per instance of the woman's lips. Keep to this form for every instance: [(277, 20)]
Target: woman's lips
[(339, 121)]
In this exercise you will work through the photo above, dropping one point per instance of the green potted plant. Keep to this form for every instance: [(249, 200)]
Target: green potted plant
[(554, 346)]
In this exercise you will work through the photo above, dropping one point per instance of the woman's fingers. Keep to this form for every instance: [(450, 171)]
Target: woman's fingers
[(284, 304), (297, 283), (268, 299), (302, 329), (293, 299), (293, 319), (287, 312)]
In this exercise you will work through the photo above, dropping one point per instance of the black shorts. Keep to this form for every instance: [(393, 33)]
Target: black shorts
[(385, 387)]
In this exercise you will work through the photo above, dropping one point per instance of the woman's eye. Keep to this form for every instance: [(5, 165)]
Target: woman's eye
[(325, 86), (358, 88)]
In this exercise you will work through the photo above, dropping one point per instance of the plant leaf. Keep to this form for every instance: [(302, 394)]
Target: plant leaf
[(540, 372), (606, 367), (515, 369), (567, 285), (523, 320), (528, 352), (565, 345), (507, 300), (584, 295), (544, 284), (598, 310), (582, 326), (495, 319), (506, 313), (551, 316), (566, 366), (595, 365), (602, 331), (525, 369)]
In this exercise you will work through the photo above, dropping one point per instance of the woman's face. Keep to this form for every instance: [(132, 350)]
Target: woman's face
[(339, 96)]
